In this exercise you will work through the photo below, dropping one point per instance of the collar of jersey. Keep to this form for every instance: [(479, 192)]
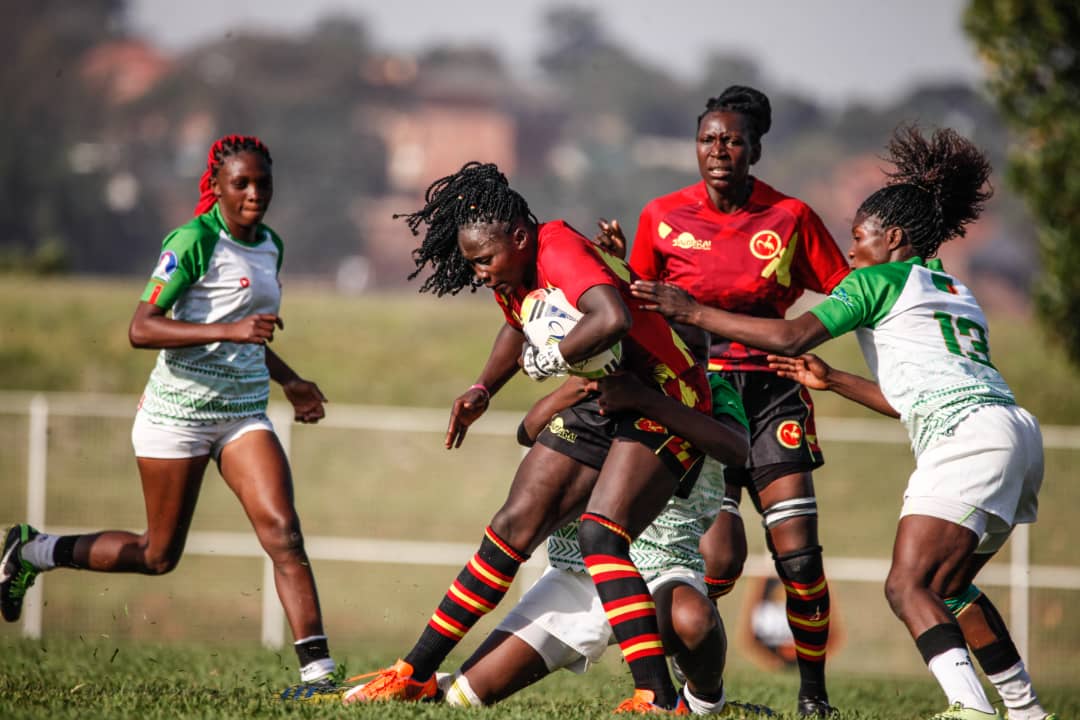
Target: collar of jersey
[(931, 264), (223, 229)]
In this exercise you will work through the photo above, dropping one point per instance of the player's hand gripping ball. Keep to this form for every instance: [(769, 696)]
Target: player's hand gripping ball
[(547, 316)]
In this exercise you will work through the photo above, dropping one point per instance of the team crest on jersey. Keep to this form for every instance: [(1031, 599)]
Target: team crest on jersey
[(765, 245), (166, 266), (245, 283), (790, 434), (647, 425)]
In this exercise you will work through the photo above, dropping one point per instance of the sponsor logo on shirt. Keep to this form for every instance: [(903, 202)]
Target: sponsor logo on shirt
[(558, 428), (765, 245), (244, 282), (841, 294), (790, 434), (686, 241), (166, 266)]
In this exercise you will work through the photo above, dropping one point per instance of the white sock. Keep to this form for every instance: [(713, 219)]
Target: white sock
[(956, 675), (703, 707), (1014, 687), (317, 670), (39, 551), (461, 693)]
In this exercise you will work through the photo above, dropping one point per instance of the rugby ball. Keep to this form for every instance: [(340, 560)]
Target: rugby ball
[(547, 316)]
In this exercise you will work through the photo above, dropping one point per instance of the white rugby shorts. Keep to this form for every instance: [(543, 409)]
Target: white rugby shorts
[(170, 442), (985, 477), (562, 618)]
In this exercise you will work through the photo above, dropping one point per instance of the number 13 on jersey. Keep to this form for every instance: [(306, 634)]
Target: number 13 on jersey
[(953, 328)]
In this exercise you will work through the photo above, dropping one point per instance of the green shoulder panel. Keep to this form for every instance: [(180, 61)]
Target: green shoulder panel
[(185, 257), (863, 298), (726, 400), (277, 242)]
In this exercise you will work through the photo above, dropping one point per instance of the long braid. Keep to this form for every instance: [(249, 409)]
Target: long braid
[(223, 148), (477, 193), (936, 190)]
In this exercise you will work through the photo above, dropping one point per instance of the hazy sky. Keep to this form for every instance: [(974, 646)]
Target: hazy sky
[(834, 50)]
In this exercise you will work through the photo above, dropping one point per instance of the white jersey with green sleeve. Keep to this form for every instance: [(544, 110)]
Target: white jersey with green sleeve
[(672, 538), (924, 338), (204, 275)]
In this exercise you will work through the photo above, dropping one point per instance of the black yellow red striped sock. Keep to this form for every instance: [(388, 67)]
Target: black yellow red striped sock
[(719, 587), (479, 587), (629, 606), (803, 577)]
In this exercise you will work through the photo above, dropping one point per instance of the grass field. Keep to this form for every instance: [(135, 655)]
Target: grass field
[(187, 644), (96, 677)]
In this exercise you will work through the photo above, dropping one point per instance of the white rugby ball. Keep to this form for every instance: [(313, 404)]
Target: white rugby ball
[(547, 316)]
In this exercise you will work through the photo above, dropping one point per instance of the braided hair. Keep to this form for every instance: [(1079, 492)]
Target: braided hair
[(477, 193), (747, 101), (935, 190), (222, 148)]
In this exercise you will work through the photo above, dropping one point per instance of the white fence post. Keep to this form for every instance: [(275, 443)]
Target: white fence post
[(36, 464), (1020, 590), (273, 616)]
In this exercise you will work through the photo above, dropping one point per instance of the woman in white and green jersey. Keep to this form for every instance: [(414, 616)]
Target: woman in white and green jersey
[(206, 399), (979, 456)]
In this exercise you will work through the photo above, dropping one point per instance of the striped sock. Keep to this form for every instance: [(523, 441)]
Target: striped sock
[(629, 606), (478, 588), (719, 587), (803, 577)]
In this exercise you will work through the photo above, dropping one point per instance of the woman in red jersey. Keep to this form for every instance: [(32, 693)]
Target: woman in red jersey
[(481, 232), (735, 243)]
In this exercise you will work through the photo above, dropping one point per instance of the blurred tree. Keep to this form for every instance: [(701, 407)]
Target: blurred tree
[(1031, 48), (601, 78), (51, 217)]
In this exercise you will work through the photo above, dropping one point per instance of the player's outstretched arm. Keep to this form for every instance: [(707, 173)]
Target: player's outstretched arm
[(816, 374), (783, 337), (724, 439), (501, 365)]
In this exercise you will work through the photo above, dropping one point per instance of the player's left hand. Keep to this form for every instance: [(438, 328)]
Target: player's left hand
[(618, 392), (467, 409), (672, 302), (611, 237), (808, 370), (307, 400), (542, 363)]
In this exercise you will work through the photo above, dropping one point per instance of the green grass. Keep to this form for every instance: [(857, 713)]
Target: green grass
[(97, 677)]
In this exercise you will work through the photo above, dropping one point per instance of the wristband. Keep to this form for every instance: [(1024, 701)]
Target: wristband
[(480, 386)]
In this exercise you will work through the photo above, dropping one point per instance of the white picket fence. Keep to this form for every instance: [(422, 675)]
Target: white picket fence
[(1020, 576)]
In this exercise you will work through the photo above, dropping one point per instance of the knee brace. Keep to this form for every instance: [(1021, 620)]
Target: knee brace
[(787, 509), (802, 566)]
